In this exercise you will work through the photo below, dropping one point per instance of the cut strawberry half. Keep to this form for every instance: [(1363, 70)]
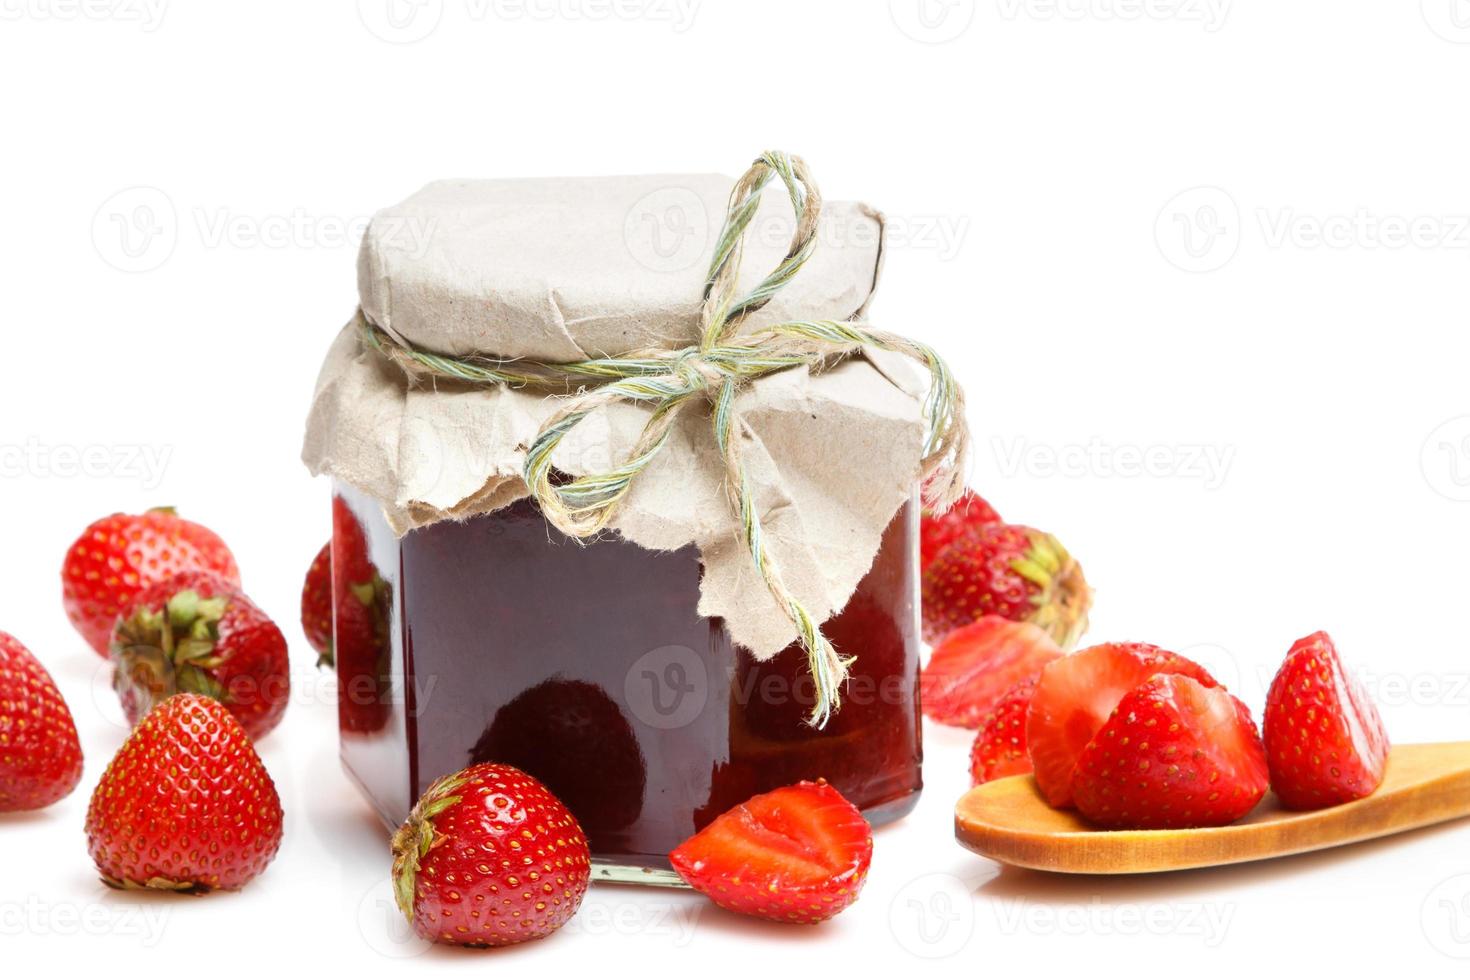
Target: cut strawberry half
[(798, 854), (1000, 745), (1174, 753), (1076, 695), (1324, 738), (975, 665)]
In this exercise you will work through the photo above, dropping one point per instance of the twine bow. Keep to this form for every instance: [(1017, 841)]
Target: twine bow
[(712, 372)]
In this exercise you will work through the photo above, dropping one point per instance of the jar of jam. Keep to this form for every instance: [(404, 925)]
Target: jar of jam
[(644, 717), (626, 497)]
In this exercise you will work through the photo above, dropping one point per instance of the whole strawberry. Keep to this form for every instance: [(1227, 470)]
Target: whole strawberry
[(119, 556), (936, 531), (316, 605), (488, 857), (186, 804), (578, 743), (1324, 738), (197, 633), (40, 756), (1011, 571)]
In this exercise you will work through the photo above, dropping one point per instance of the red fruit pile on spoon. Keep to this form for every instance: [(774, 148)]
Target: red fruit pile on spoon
[(1075, 697)]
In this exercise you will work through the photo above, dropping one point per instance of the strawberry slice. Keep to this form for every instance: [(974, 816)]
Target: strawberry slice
[(798, 854), (1175, 753), (1324, 738), (1000, 746), (975, 665), (1077, 694), (937, 531)]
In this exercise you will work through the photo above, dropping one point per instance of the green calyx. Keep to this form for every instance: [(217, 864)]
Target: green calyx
[(161, 652), (417, 837), (371, 595), (1064, 597), (155, 884)]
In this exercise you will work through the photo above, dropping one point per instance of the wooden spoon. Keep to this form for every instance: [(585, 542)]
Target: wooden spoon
[(1007, 820)]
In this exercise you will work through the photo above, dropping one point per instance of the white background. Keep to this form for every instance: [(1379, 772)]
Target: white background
[(1183, 231)]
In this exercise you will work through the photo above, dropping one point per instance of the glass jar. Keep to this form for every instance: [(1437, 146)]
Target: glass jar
[(589, 666)]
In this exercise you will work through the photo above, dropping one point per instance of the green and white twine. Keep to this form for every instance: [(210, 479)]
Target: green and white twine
[(712, 373)]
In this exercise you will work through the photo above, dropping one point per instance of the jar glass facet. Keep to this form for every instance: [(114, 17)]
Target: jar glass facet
[(589, 666)]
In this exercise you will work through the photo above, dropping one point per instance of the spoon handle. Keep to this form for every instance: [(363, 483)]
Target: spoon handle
[(1008, 821)]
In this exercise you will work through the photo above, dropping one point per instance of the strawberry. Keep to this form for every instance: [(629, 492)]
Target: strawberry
[(1324, 739), (1000, 745), (186, 804), (575, 739), (936, 531), (975, 665), (364, 678), (1077, 694), (1007, 570), (316, 605), (489, 857), (197, 632), (40, 756), (351, 560), (119, 556), (798, 854), (361, 644), (1174, 753)]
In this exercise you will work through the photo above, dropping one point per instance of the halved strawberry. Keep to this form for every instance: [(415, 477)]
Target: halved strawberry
[(1075, 696), (1000, 746), (1175, 753), (937, 530), (976, 664), (1324, 738), (798, 854)]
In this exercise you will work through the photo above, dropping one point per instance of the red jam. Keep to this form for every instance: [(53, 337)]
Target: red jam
[(588, 666)]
